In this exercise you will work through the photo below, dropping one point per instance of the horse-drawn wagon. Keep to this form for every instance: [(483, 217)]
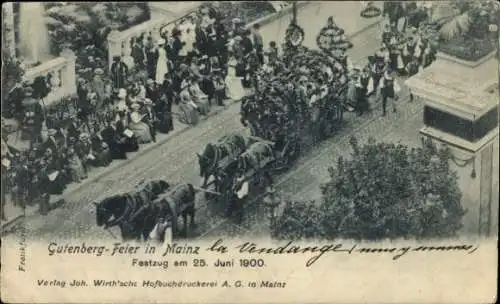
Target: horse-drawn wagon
[(251, 160)]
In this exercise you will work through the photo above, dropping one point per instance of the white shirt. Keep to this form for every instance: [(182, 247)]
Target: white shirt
[(243, 190)]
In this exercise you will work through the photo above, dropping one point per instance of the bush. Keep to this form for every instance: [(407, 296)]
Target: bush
[(12, 73), (247, 11), (84, 27), (384, 191), (467, 48), (299, 220), (465, 34)]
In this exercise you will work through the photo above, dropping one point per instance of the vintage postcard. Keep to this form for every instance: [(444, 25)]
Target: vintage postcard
[(250, 152)]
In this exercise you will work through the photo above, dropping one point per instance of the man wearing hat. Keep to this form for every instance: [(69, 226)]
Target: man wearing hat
[(33, 117), (201, 34), (258, 43), (365, 89), (409, 50), (389, 88), (151, 57), (98, 87), (51, 142), (119, 72), (238, 27), (387, 35), (239, 198), (137, 52)]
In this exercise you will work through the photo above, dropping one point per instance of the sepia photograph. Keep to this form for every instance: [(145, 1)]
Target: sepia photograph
[(253, 137)]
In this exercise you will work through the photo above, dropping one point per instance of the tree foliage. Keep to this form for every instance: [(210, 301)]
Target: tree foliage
[(384, 191), (12, 72), (470, 19), (84, 26)]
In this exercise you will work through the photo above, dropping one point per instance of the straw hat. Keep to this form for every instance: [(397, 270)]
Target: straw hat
[(161, 42), (84, 136), (135, 117), (206, 21), (135, 106), (28, 91), (122, 93), (98, 72), (148, 102), (51, 132)]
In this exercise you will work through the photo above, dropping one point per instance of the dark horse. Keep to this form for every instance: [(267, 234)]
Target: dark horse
[(179, 201), (122, 210), (230, 146), (258, 156)]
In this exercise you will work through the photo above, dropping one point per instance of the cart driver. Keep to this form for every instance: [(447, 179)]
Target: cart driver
[(162, 232), (240, 197)]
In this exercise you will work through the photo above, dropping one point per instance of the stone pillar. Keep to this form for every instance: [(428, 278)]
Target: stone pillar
[(68, 73), (461, 111), (9, 27), (488, 211)]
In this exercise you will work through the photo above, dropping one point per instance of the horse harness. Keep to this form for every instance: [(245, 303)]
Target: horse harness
[(130, 207)]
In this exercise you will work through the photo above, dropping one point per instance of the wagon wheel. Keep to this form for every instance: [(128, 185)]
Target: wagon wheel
[(286, 157)]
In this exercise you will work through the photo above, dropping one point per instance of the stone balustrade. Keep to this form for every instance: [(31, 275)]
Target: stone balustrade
[(120, 43), (62, 76)]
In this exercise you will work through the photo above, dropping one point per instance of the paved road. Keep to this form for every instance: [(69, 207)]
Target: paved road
[(175, 161)]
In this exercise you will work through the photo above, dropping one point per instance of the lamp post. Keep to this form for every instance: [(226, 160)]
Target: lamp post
[(294, 13)]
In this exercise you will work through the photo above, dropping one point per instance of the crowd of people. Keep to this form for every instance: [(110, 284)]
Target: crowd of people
[(298, 85), (199, 63), (301, 85)]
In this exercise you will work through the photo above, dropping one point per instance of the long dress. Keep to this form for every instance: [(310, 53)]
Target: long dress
[(235, 90), (161, 66)]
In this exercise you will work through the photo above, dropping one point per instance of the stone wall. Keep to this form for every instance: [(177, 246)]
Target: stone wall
[(63, 75)]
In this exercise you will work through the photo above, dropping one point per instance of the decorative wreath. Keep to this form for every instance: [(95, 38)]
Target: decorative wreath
[(371, 11), (330, 39), (294, 35)]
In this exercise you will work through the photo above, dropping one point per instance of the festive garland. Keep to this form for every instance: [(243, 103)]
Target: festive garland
[(371, 11), (330, 39), (294, 35)]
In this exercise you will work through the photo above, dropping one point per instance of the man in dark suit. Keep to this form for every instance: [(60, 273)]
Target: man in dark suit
[(111, 137), (246, 43), (201, 38), (151, 57), (119, 72), (33, 117), (152, 91), (258, 43)]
